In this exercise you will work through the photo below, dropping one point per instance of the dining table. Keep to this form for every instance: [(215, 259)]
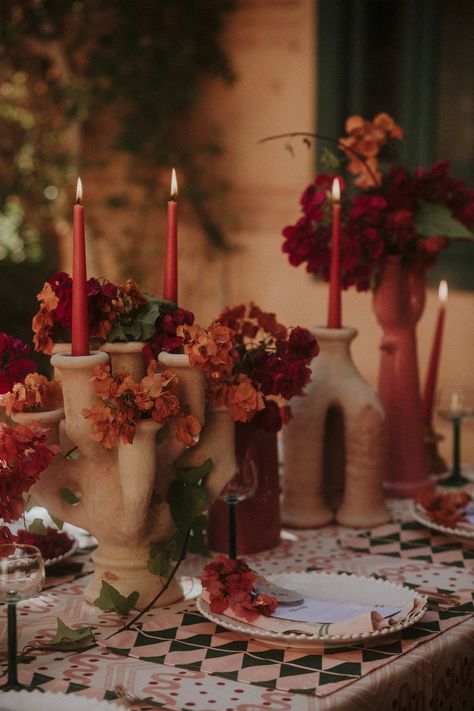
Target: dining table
[(173, 657)]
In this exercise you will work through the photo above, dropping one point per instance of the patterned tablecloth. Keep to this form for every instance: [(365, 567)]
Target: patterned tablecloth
[(180, 660)]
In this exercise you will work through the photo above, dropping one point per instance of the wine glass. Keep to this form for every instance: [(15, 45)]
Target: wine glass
[(21, 577), (240, 487), (456, 405)]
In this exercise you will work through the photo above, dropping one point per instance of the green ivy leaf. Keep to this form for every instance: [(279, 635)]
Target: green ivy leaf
[(197, 540), (57, 521), (111, 600), (193, 475), (116, 333), (67, 638), (160, 555), (186, 502), (37, 526), (69, 496), (437, 220)]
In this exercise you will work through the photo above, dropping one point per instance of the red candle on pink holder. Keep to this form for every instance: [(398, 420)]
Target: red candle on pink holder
[(170, 282), (80, 315), (334, 309), (432, 374)]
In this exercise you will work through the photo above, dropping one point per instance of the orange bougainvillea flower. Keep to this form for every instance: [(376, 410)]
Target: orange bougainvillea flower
[(211, 350), (446, 509), (188, 429), (35, 393), (243, 399), (42, 326)]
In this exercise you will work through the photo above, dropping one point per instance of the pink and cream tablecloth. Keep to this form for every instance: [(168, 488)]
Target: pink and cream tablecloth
[(179, 660)]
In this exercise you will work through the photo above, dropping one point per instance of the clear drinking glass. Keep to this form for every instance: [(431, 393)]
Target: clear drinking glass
[(456, 405), (242, 486), (21, 577)]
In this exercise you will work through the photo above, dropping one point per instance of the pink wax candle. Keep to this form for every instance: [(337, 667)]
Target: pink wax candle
[(334, 309), (80, 316), (170, 282), (432, 374)]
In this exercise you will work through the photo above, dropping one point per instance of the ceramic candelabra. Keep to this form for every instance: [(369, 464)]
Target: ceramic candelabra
[(334, 443), (121, 492)]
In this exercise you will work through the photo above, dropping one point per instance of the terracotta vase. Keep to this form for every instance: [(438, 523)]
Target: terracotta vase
[(398, 303), (258, 517), (334, 443)]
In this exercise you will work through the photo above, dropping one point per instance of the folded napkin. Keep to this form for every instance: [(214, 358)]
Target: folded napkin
[(365, 622)]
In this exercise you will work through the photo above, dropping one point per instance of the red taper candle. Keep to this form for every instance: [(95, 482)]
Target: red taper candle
[(170, 282), (80, 316), (432, 374), (334, 309)]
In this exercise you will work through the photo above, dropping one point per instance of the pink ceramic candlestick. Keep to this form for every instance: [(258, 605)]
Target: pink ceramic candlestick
[(432, 375), (80, 316), (334, 309), (170, 283)]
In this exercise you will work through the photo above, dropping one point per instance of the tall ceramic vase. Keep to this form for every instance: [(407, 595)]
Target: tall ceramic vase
[(334, 443), (398, 303), (258, 517)]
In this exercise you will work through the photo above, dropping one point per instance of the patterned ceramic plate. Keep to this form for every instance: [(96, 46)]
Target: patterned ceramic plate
[(464, 530), (47, 701), (330, 587)]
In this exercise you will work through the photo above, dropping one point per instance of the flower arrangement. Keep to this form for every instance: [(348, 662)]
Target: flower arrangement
[(387, 210), (251, 362), (24, 454), (230, 584), (123, 402), (51, 542), (14, 365), (446, 509), (35, 393), (116, 312)]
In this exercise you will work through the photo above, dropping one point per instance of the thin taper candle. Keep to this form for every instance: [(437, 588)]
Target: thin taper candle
[(170, 282), (80, 317), (432, 373), (334, 307)]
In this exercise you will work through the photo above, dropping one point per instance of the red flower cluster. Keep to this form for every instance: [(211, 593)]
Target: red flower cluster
[(446, 509), (165, 337), (14, 366), (107, 303), (23, 456), (381, 219), (230, 584), (52, 544), (273, 358)]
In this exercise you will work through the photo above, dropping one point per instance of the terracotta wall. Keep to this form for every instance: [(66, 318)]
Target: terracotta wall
[(272, 43)]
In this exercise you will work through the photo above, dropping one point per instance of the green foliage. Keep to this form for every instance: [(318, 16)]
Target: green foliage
[(111, 600), (436, 220), (63, 63), (67, 638), (142, 327), (187, 498), (37, 526), (70, 497)]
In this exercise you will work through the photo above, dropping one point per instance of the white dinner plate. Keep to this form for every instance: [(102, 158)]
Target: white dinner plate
[(330, 587), (47, 701), (465, 530)]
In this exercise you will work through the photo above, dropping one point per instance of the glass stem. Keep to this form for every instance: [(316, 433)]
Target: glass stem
[(456, 447), (232, 505), (12, 650)]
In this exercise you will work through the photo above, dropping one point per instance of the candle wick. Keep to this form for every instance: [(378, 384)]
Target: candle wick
[(78, 201)]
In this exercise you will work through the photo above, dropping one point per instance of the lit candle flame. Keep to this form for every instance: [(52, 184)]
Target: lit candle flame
[(79, 190), (174, 185), (336, 190), (443, 291)]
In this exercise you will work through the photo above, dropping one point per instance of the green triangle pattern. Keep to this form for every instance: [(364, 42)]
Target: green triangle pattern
[(251, 661), (328, 678)]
